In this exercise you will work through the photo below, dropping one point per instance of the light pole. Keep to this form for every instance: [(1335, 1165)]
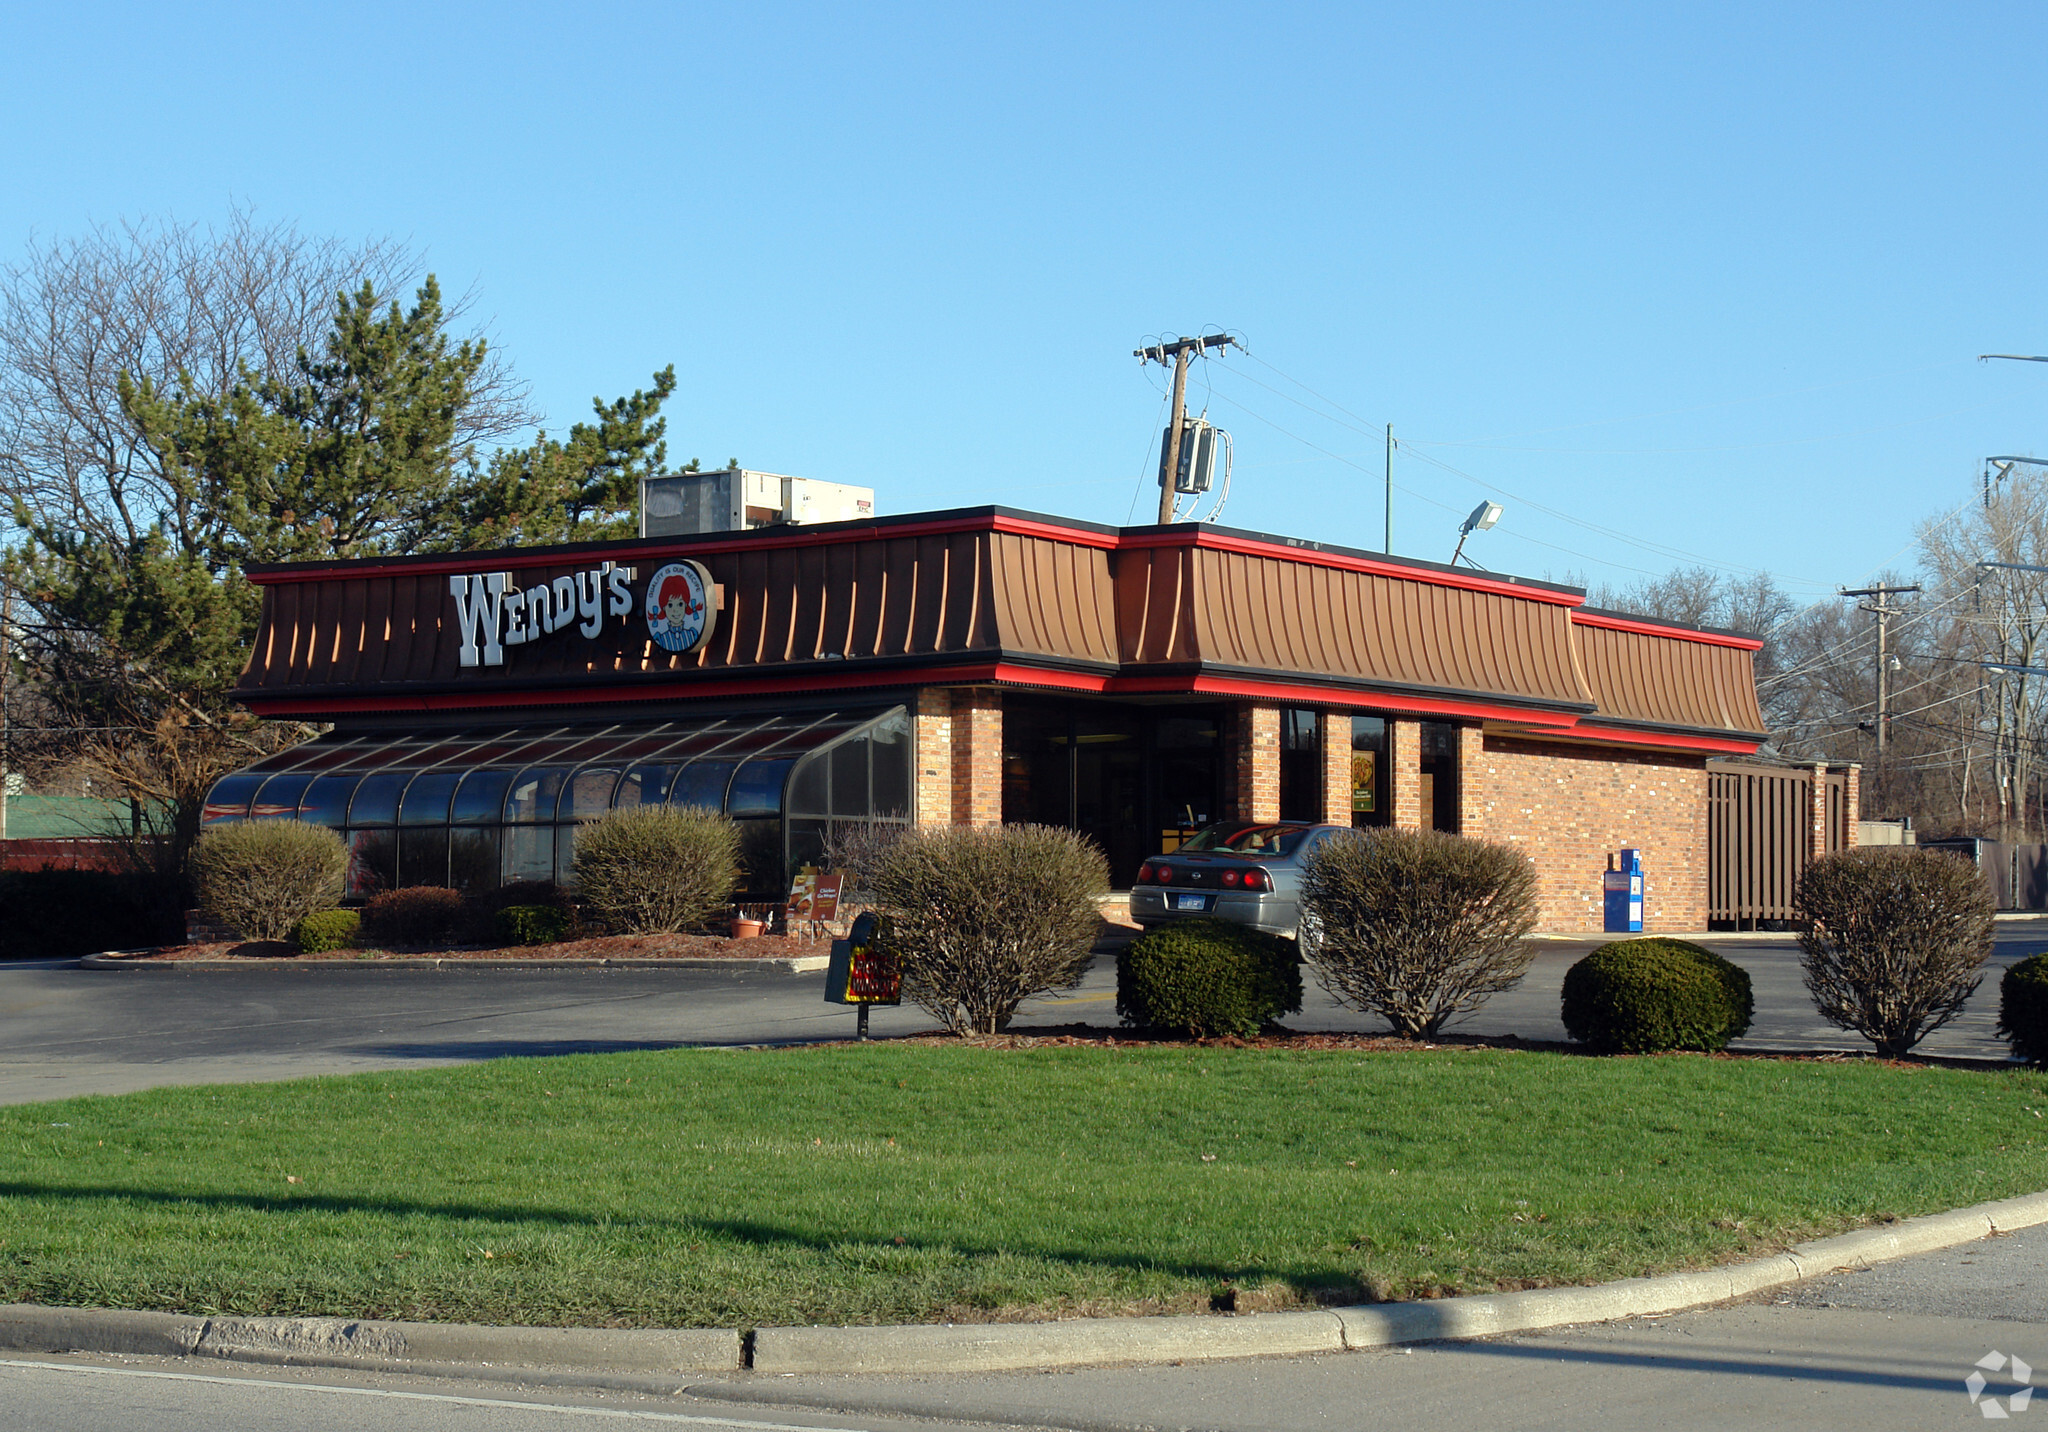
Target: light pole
[(1483, 516)]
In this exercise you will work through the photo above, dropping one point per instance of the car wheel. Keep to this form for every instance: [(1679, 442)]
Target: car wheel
[(1309, 935)]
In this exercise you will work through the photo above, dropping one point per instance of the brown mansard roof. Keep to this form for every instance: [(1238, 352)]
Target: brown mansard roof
[(993, 596)]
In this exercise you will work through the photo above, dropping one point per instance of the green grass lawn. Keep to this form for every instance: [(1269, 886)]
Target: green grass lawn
[(907, 1182)]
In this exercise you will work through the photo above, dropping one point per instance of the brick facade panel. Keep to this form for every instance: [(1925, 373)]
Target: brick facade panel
[(933, 773), (1334, 731), (1571, 808), (1254, 776)]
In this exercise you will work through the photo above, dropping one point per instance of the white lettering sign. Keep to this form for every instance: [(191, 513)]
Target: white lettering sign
[(491, 613)]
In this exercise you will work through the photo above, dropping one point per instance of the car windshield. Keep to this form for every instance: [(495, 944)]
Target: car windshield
[(1279, 840)]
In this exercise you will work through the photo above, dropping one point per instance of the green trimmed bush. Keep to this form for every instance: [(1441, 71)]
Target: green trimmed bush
[(1417, 926), (1643, 996), (985, 917), (653, 870), (2023, 1009), (326, 930), (1207, 977), (414, 915), (262, 877), (534, 925), (1894, 938), (480, 907)]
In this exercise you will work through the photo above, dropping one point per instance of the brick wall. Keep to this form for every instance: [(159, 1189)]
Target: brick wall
[(1253, 776), (1404, 774), (977, 757), (1333, 730), (933, 772), (1571, 807), (1817, 804), (959, 756)]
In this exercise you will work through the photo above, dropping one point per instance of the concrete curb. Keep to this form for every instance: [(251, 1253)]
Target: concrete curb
[(662, 1360), (786, 964), (992, 1347), (635, 1359)]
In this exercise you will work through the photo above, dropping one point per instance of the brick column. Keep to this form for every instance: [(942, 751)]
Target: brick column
[(977, 757), (1333, 730), (1472, 802), (1404, 774), (1853, 798), (1817, 824), (1254, 772), (933, 772)]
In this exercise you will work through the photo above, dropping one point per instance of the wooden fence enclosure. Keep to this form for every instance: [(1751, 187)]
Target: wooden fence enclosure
[(1765, 825)]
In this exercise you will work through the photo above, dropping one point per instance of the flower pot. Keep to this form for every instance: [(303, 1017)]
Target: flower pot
[(747, 929)]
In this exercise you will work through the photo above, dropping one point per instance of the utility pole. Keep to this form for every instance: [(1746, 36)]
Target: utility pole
[(1389, 548), (1884, 613), (1178, 352)]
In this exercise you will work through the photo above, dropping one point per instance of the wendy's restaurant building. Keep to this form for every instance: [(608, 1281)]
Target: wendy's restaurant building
[(977, 666)]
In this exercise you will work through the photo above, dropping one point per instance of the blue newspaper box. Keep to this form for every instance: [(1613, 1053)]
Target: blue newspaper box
[(1622, 892)]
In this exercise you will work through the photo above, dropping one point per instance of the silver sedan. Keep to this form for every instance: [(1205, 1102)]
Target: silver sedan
[(1244, 871)]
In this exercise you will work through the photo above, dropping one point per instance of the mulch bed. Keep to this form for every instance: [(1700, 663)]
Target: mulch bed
[(604, 947)]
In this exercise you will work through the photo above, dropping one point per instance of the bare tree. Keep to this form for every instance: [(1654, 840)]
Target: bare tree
[(1984, 564), (1700, 596), (194, 310), (155, 299)]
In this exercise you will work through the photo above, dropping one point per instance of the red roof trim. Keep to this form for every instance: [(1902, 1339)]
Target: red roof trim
[(1183, 535), (1532, 723), (983, 673), (1470, 582), (1666, 740), (1678, 633), (516, 559), (1309, 693)]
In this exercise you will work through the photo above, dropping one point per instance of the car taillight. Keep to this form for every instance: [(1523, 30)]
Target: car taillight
[(1145, 873), (1164, 875), (1230, 877), (1257, 880)]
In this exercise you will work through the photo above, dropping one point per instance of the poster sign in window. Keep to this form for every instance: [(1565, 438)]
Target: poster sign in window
[(1364, 779)]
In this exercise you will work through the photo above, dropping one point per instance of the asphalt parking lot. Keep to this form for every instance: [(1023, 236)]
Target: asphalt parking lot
[(67, 1030)]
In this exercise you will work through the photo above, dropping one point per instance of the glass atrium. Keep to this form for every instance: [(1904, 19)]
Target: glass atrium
[(480, 806)]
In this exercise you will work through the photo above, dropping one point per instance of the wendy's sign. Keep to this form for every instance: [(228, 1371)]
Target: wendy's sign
[(681, 606), (492, 612)]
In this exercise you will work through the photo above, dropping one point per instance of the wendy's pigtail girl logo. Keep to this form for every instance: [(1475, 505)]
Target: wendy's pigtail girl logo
[(679, 606)]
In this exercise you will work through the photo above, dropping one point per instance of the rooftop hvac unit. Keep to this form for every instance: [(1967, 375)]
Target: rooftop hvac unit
[(1201, 447), (685, 504)]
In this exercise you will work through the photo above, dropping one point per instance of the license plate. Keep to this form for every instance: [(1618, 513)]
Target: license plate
[(1191, 902)]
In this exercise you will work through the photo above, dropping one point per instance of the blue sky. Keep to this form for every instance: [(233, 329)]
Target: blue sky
[(1705, 282)]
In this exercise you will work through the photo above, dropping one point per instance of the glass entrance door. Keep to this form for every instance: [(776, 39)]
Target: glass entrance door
[(1135, 780)]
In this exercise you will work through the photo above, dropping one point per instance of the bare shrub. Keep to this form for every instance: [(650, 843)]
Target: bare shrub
[(1417, 926), (855, 848), (986, 917), (649, 870), (262, 877), (1893, 941)]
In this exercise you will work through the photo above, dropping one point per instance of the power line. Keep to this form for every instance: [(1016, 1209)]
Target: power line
[(1423, 497), (1654, 548)]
